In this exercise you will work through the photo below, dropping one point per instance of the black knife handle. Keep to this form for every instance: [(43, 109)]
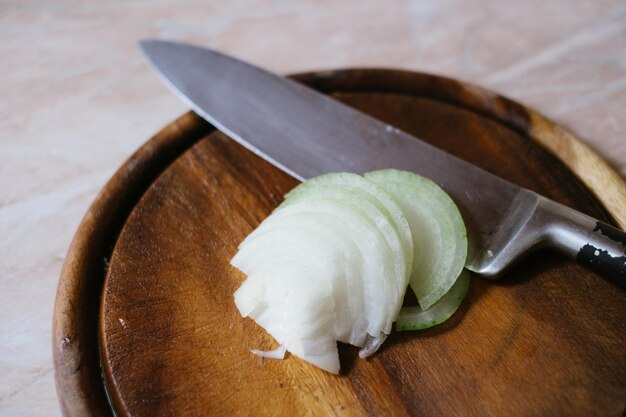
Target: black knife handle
[(592, 243), (596, 254)]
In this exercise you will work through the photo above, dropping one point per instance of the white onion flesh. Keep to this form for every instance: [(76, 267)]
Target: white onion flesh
[(372, 344), (374, 255), (383, 233), (296, 309), (278, 353), (332, 263), (311, 240), (344, 183)]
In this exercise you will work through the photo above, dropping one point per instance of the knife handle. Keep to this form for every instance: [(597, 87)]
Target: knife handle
[(590, 242)]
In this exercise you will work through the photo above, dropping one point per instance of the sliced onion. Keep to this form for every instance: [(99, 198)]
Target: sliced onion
[(332, 263), (278, 353), (296, 309), (372, 344), (347, 182), (414, 318), (375, 255), (314, 241), (439, 236), (371, 208)]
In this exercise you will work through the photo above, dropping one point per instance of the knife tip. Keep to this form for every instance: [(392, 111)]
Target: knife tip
[(146, 43), (153, 46)]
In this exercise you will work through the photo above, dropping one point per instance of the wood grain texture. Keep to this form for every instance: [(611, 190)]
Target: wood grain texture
[(547, 340), (76, 311)]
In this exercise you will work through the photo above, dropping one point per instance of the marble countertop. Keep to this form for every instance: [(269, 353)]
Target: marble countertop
[(78, 99)]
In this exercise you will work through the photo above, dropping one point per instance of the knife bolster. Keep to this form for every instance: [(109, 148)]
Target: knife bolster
[(537, 222)]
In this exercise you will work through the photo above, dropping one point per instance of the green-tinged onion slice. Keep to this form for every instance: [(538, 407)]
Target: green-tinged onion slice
[(439, 236), (414, 318)]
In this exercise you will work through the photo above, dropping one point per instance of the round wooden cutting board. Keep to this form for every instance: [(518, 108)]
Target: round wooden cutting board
[(145, 323)]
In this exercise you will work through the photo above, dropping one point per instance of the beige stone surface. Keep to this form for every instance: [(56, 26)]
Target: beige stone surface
[(77, 98)]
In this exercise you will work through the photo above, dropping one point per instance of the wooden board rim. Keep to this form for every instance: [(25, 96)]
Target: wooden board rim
[(75, 345)]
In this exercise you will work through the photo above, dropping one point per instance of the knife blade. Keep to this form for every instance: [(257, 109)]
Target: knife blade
[(306, 133)]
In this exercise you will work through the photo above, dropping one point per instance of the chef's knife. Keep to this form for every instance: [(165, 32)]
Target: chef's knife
[(306, 133)]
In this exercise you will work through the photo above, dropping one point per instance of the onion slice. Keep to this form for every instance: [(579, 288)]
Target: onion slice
[(414, 318), (372, 344), (278, 353), (439, 235)]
